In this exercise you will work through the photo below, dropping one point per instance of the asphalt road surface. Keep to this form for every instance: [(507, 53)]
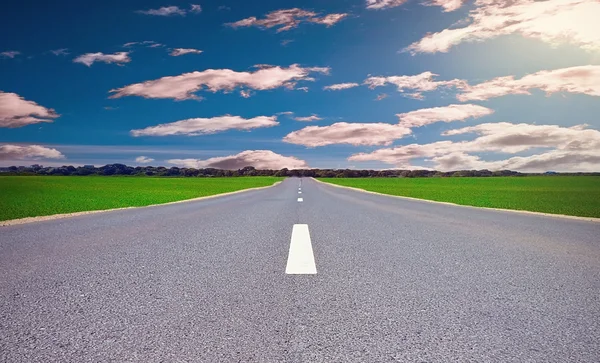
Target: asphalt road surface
[(369, 279)]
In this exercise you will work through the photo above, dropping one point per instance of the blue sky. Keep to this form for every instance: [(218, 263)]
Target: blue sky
[(529, 122)]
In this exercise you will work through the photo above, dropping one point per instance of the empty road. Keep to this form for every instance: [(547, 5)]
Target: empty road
[(301, 274)]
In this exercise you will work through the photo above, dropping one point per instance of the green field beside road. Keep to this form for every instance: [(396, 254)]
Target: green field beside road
[(570, 195), (32, 196)]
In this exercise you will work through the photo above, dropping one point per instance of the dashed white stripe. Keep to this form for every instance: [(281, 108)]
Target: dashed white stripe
[(300, 200), (301, 260)]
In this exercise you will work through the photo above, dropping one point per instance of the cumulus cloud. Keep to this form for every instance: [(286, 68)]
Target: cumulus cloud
[(163, 11), (347, 133), (340, 86), (381, 96), (34, 152), (556, 160), (552, 21), (260, 159), (287, 19), (449, 113), (308, 118), (383, 4), (567, 149), (582, 79), (423, 82), (512, 138), (195, 8), (143, 160), (184, 86), (15, 111), (181, 51), (246, 93), (10, 54), (89, 58), (204, 126)]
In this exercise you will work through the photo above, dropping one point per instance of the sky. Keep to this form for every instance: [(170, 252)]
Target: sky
[(359, 84)]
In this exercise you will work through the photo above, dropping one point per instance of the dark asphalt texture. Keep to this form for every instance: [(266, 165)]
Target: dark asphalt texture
[(398, 281)]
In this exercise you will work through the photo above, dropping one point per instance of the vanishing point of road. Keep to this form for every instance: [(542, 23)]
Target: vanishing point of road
[(301, 273)]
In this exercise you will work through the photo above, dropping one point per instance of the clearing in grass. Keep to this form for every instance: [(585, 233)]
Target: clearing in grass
[(569, 195), (32, 196)]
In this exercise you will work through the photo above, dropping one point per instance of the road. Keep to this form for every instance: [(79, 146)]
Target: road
[(393, 281)]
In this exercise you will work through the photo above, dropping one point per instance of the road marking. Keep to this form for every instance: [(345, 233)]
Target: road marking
[(299, 192), (301, 260), (300, 200)]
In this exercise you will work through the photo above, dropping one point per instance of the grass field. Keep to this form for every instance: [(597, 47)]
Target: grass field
[(571, 195), (30, 196)]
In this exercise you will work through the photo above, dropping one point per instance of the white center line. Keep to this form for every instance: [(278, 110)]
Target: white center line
[(300, 200), (301, 260), (299, 192)]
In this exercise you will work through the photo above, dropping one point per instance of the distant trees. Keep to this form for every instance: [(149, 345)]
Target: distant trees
[(161, 171)]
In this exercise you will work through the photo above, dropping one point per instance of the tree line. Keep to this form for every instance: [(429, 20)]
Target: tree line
[(151, 171)]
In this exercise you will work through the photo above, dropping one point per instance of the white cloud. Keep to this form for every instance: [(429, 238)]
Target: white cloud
[(381, 96), (15, 111), (143, 160), (34, 152), (89, 58), (184, 86), (552, 21), (62, 51), (194, 8), (449, 113), (512, 138), (340, 86), (308, 118), (347, 133), (10, 54), (148, 43), (246, 93), (181, 51), (568, 149), (287, 19), (423, 82), (555, 160), (582, 79), (448, 5), (383, 4), (260, 159), (204, 126), (164, 11), (329, 19)]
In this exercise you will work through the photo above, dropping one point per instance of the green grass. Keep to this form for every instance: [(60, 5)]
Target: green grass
[(30, 196), (570, 195)]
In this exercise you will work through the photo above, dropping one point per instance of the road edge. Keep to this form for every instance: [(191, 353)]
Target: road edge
[(14, 222), (565, 216)]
